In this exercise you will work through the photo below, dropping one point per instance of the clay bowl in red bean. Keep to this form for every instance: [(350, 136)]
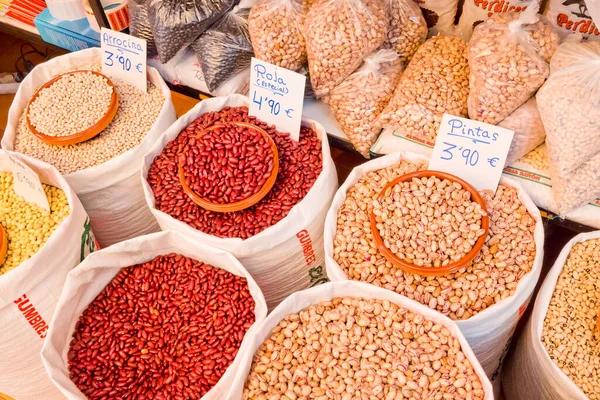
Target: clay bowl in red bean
[(164, 329), (300, 164)]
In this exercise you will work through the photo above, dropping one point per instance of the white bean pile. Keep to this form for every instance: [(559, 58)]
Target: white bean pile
[(71, 105), (136, 114), (428, 222), (570, 335), (352, 348), (506, 256)]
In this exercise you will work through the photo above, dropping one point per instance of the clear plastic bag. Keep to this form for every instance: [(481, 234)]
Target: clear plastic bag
[(408, 29), (276, 29), (339, 34), (177, 23), (359, 99), (139, 24), (569, 104), (579, 188), (224, 49), (508, 57), (435, 82), (529, 130)]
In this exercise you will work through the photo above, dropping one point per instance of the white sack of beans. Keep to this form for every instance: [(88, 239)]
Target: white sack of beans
[(283, 258), (488, 331), (111, 192), (573, 18), (86, 281), (530, 372), (439, 15), (475, 12), (29, 293), (329, 291)]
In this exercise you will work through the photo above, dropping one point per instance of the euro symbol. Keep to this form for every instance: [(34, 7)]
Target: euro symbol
[(138, 67), (289, 112), (493, 161)]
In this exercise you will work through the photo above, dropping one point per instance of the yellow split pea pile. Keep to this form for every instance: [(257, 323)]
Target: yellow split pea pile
[(27, 225), (504, 259)]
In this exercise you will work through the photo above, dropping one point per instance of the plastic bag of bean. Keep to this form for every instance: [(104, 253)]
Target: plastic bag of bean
[(408, 29), (192, 312), (104, 171), (508, 57), (529, 130), (139, 24), (556, 356), (435, 82), (39, 256), (339, 34), (224, 49), (348, 313), (572, 119), (279, 239), (276, 28), (486, 298), (359, 99), (176, 24)]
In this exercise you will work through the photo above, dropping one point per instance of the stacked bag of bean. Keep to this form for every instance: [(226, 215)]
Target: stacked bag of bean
[(351, 340), (278, 239), (158, 316), (41, 247), (104, 170), (557, 354), (408, 29), (486, 298)]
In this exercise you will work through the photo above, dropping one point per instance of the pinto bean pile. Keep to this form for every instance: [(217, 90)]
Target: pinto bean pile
[(164, 329), (227, 164), (300, 164)]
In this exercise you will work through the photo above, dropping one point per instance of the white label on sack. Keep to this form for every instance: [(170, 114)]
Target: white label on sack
[(27, 184), (471, 150), (124, 57), (277, 96)]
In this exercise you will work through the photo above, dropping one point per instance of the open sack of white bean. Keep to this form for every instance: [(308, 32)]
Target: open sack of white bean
[(350, 340), (485, 298), (557, 354), (160, 316), (280, 238), (103, 171), (43, 246)]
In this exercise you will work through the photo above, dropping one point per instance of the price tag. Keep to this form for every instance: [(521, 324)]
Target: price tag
[(124, 57), (27, 183), (471, 150), (277, 96)]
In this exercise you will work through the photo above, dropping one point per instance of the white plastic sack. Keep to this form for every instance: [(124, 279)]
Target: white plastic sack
[(530, 373), (29, 294), (300, 300), (285, 257), (475, 12), (439, 14), (168, 71), (488, 332), (572, 18), (86, 281), (110, 192)]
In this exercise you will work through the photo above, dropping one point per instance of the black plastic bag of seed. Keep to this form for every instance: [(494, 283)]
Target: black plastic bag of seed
[(177, 23), (224, 49), (139, 24)]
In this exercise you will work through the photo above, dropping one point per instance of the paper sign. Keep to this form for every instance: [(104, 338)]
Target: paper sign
[(27, 184), (124, 57), (471, 150), (277, 96)]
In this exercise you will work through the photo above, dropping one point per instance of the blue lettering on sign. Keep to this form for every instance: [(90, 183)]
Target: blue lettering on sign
[(477, 135), (270, 81), (125, 45)]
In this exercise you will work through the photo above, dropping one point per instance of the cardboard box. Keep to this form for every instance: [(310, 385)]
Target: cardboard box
[(70, 35)]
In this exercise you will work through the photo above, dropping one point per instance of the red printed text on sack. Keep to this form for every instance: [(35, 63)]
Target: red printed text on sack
[(498, 6), (307, 248), (584, 25), (29, 312)]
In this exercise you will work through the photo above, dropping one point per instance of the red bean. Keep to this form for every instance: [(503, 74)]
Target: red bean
[(300, 164), (157, 331)]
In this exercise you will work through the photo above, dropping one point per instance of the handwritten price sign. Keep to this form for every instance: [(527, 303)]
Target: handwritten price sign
[(471, 150), (124, 57), (277, 96)]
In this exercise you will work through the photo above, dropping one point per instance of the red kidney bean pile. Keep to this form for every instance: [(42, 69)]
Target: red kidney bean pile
[(300, 164), (227, 164), (164, 329)]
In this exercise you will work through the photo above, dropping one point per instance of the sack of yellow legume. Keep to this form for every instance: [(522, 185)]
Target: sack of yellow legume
[(103, 171), (485, 298), (42, 247), (557, 355)]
